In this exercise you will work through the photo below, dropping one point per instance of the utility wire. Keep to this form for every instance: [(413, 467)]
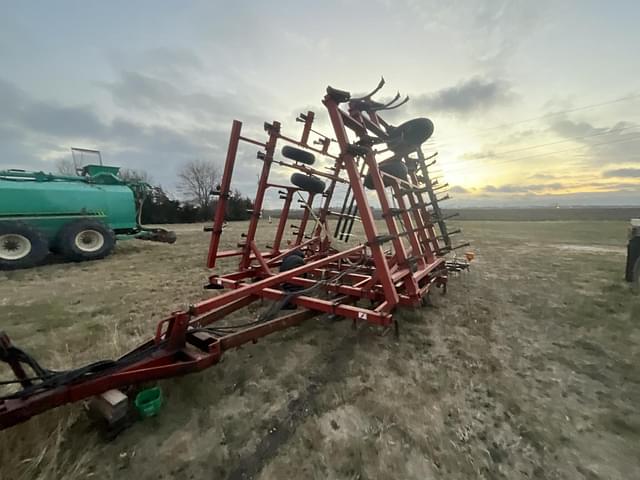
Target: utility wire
[(570, 139), (509, 160), (548, 115)]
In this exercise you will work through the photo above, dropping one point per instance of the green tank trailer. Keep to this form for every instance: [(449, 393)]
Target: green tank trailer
[(79, 217)]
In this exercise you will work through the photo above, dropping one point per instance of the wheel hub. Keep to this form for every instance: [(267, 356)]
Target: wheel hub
[(89, 241), (14, 246)]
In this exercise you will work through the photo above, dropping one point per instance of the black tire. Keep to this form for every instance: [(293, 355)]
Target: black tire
[(633, 255), (297, 252), (397, 168), (431, 299), (298, 155), (410, 135), (308, 183), (85, 240), (290, 262), (21, 246)]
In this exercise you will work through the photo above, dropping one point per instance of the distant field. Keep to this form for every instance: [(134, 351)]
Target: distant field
[(528, 368)]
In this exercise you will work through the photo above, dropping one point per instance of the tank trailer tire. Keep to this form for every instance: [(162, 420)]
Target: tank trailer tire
[(21, 246), (85, 240)]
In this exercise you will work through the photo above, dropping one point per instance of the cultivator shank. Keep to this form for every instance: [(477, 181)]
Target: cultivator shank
[(372, 175)]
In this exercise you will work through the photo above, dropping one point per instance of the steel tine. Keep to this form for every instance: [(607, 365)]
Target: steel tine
[(344, 206), (372, 93), (351, 210), (385, 106), (406, 99)]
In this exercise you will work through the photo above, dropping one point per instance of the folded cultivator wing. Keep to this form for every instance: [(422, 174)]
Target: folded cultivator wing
[(375, 169)]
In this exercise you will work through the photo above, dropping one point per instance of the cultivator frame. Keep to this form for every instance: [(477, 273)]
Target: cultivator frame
[(398, 263)]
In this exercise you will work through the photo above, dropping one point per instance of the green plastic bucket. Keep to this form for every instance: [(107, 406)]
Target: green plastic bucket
[(148, 402)]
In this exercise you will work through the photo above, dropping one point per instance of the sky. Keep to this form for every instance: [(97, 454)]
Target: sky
[(534, 103)]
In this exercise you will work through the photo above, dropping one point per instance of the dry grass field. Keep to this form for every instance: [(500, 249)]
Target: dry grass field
[(528, 368)]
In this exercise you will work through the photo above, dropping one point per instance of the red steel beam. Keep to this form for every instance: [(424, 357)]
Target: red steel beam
[(274, 129), (305, 218), (164, 363), (254, 288), (282, 222), (368, 222), (225, 191)]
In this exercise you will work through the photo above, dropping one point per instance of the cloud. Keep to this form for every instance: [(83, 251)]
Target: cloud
[(558, 189), (11, 98), (52, 119), (143, 92), (37, 133), (458, 189), (618, 187), (177, 84), (531, 188), (170, 60), (622, 173), (494, 31), (615, 144), (479, 155), (501, 28), (542, 176), (608, 198), (164, 106), (568, 128), (471, 95)]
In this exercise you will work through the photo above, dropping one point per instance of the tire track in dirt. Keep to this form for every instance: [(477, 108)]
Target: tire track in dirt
[(290, 417), (489, 420)]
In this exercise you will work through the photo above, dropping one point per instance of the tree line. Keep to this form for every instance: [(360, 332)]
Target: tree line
[(158, 207), (197, 180)]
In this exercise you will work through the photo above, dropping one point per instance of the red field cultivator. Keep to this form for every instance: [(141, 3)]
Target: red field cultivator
[(368, 168)]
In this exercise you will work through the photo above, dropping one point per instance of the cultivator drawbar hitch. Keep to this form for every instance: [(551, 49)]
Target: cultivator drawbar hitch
[(368, 173)]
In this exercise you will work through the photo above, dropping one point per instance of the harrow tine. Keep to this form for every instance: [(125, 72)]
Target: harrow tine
[(375, 106), (347, 225), (433, 199), (343, 215), (395, 99), (342, 210), (457, 247), (341, 220), (454, 232), (351, 211), (406, 99), (372, 93), (352, 221), (440, 219)]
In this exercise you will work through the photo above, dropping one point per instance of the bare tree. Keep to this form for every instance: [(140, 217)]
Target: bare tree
[(65, 166), (131, 175), (196, 180)]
